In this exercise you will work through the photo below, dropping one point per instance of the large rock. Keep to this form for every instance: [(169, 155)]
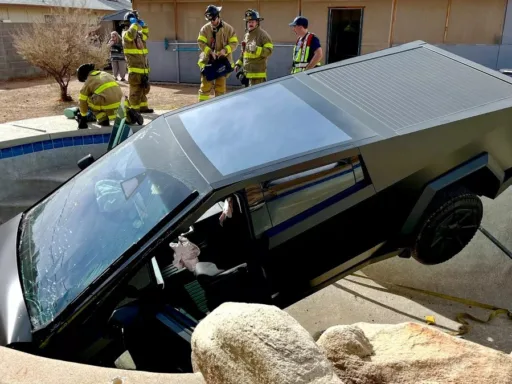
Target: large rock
[(23, 368), (252, 343), (410, 353)]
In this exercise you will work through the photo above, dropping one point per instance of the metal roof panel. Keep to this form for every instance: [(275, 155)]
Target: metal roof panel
[(413, 87)]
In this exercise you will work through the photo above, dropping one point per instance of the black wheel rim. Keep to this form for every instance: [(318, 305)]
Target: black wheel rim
[(454, 232)]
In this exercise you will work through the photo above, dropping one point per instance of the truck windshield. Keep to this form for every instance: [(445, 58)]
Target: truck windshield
[(71, 237)]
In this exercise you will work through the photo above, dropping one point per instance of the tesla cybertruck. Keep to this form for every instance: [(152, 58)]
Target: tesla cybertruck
[(265, 194)]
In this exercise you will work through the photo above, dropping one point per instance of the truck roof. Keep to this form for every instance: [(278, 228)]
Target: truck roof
[(352, 104)]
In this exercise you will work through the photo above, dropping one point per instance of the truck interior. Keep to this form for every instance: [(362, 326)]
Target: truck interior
[(233, 265), (164, 302)]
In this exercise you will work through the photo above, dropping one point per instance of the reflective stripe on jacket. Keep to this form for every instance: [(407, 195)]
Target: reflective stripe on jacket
[(258, 48), (301, 54), (225, 38), (100, 92), (135, 50)]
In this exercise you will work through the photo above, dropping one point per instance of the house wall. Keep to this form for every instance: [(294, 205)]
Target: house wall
[(376, 20), (478, 30), (179, 22)]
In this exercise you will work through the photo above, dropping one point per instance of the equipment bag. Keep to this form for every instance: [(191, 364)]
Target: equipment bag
[(217, 68)]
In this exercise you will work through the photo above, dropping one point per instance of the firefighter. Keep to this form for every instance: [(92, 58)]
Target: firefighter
[(256, 49), (307, 52), (102, 95), (217, 40), (136, 52)]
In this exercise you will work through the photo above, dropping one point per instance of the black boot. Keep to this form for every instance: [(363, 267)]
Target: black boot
[(82, 122), (134, 116), (104, 123)]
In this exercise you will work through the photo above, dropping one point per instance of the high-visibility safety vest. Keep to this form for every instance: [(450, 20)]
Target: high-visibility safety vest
[(301, 53)]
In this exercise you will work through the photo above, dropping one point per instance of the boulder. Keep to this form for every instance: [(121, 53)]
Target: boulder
[(410, 353), (253, 343)]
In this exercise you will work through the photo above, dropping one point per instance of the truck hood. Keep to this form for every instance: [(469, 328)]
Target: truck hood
[(14, 319)]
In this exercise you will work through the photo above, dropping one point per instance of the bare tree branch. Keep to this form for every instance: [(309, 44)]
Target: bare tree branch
[(62, 42)]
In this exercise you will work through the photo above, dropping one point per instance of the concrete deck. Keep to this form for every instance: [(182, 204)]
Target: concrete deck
[(44, 128), (481, 272)]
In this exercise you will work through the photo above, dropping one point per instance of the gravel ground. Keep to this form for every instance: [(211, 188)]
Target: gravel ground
[(27, 99)]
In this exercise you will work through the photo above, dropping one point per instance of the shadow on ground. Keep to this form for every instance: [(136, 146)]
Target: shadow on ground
[(481, 272)]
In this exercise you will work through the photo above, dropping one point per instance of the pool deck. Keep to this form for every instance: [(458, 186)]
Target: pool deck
[(15, 133)]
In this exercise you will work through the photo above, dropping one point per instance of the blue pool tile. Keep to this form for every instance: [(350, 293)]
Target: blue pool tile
[(88, 140), (6, 152), (98, 139), (17, 150), (106, 137), (78, 140), (57, 143), (37, 146), (67, 141), (27, 148), (47, 144)]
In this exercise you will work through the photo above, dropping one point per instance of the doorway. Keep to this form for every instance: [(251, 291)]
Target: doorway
[(344, 33)]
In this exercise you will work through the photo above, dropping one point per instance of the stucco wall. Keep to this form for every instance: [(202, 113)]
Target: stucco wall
[(13, 65), (479, 31), (376, 20), (180, 66)]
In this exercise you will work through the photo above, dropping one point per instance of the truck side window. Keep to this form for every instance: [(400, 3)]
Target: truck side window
[(289, 196), (257, 209)]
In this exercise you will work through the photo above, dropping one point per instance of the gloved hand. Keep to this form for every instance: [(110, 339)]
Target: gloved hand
[(251, 47), (82, 122), (141, 23), (133, 20)]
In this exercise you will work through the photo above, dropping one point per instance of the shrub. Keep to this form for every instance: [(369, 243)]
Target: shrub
[(61, 42)]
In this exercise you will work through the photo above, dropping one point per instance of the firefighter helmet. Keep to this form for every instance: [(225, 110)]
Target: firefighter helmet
[(252, 14), (212, 12), (130, 14), (83, 71)]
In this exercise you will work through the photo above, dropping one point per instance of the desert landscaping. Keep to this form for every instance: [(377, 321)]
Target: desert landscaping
[(25, 99)]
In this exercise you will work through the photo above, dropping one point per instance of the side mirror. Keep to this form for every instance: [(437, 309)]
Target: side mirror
[(84, 162)]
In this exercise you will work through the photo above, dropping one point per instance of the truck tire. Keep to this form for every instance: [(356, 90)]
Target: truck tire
[(450, 223)]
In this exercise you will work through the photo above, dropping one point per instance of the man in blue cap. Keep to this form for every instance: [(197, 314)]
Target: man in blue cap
[(307, 52)]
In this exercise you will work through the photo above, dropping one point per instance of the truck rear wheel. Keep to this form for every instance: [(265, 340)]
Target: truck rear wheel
[(448, 226)]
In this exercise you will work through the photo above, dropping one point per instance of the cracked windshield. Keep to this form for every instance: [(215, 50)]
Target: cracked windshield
[(75, 234)]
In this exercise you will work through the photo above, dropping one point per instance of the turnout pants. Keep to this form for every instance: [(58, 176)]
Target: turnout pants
[(256, 81), (219, 85), (138, 98), (103, 109)]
